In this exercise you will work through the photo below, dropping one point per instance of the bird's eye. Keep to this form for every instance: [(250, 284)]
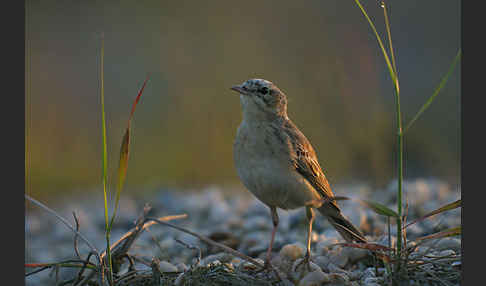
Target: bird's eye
[(264, 90)]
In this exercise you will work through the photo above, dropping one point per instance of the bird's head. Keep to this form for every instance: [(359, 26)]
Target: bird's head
[(261, 98)]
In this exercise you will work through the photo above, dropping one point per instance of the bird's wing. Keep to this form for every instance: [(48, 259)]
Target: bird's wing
[(304, 159)]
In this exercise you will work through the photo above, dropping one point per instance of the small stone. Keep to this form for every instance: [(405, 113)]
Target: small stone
[(222, 257), (333, 268), (250, 266), (181, 267), (165, 266), (340, 258), (370, 281), (369, 272), (286, 282), (356, 254), (447, 252), (322, 261), (449, 243), (167, 243), (339, 278), (292, 251), (355, 275), (284, 265), (322, 247), (314, 278)]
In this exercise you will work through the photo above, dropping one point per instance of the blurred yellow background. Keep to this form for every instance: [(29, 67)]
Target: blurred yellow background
[(322, 54)]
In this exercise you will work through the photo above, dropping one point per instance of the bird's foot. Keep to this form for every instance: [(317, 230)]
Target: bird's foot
[(267, 267), (305, 262)]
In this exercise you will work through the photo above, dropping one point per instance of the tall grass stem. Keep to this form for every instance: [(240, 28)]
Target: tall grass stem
[(399, 135), (104, 163)]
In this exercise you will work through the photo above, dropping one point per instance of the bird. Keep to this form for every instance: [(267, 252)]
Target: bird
[(278, 165)]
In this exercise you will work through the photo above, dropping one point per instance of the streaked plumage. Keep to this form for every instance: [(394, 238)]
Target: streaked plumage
[(277, 163)]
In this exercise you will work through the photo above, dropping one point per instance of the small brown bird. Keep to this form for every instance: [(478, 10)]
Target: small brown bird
[(276, 162)]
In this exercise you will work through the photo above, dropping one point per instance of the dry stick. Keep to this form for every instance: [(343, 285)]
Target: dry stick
[(93, 249), (50, 265), (131, 267), (135, 231), (129, 237), (38, 270), (141, 260), (80, 274), (211, 242), (76, 236), (436, 278), (41, 205)]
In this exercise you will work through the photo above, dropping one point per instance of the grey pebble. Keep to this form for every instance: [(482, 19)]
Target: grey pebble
[(314, 278), (209, 211), (165, 266)]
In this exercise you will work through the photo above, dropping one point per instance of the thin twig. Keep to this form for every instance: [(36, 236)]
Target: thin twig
[(141, 260), (80, 274), (131, 267), (38, 270), (136, 230), (76, 236), (436, 278), (41, 205), (93, 249), (64, 263)]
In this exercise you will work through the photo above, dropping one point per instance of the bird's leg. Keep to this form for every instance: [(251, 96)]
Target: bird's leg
[(310, 217), (273, 211)]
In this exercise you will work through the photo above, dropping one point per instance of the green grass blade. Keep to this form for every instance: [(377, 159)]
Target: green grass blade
[(379, 208), (388, 31), (436, 92), (105, 161), (380, 42), (447, 207), (103, 132)]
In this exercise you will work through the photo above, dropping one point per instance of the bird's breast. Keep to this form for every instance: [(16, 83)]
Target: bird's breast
[(265, 169)]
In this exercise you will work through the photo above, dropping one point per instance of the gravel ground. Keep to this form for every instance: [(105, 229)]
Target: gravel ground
[(242, 222)]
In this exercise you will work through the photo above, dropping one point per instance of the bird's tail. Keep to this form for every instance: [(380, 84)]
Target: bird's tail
[(342, 225)]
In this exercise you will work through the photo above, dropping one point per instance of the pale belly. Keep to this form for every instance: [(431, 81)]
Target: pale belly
[(270, 177)]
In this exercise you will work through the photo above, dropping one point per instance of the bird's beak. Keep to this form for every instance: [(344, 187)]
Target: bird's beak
[(239, 89)]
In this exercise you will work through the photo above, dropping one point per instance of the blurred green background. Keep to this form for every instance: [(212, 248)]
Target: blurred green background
[(322, 54)]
